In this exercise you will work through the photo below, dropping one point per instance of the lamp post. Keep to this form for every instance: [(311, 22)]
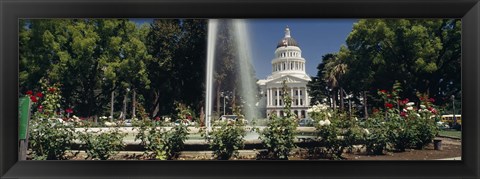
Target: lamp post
[(225, 96)]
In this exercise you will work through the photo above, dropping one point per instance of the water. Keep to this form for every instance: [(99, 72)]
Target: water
[(212, 37), (247, 82), (248, 85)]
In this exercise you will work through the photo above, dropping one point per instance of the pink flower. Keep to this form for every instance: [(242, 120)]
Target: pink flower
[(432, 100)]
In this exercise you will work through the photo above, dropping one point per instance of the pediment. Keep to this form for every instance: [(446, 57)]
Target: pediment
[(288, 78)]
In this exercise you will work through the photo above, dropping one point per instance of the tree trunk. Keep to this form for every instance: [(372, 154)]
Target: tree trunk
[(124, 115), (156, 104), (365, 104), (218, 98), (112, 101), (134, 103), (342, 105), (334, 99)]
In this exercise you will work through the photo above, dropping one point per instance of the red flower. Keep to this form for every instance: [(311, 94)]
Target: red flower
[(51, 90), (157, 118), (33, 98), (432, 100), (39, 94), (403, 114), (29, 92), (189, 117), (403, 102), (389, 105), (40, 107), (421, 98), (383, 91), (69, 110)]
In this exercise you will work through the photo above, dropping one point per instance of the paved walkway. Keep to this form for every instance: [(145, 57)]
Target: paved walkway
[(454, 158)]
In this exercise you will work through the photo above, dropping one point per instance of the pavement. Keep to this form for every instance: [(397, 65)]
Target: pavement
[(453, 158)]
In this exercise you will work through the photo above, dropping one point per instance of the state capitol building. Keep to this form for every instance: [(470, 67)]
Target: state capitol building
[(289, 65)]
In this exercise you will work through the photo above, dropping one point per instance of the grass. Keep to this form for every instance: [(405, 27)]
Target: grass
[(450, 133)]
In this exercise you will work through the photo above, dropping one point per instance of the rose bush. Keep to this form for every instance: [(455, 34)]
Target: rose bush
[(50, 137)]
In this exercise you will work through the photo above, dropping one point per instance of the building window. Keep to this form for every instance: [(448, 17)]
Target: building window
[(301, 102), (296, 92), (300, 92), (296, 102)]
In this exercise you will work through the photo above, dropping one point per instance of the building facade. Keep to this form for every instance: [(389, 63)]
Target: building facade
[(287, 65)]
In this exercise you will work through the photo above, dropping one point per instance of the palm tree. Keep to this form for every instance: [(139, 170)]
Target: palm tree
[(333, 73)]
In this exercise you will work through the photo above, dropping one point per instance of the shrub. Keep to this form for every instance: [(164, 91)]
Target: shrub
[(50, 139), (375, 135), (101, 144), (279, 134), (164, 145), (173, 142), (227, 139), (412, 126), (49, 136)]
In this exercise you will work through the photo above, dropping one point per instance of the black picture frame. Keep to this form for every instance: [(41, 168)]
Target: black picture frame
[(467, 10)]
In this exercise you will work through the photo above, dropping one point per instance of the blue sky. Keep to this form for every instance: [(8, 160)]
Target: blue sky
[(316, 37)]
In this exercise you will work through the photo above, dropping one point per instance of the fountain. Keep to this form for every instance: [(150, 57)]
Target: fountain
[(247, 84), (212, 37)]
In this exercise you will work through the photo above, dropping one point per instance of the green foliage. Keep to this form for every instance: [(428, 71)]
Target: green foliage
[(278, 136), (424, 53), (376, 135), (95, 57), (410, 126), (49, 139), (184, 112), (165, 144), (49, 136), (227, 139), (335, 132), (173, 141), (101, 144)]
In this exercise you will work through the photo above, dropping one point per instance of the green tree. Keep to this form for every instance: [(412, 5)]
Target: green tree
[(162, 43), (423, 55), (318, 87)]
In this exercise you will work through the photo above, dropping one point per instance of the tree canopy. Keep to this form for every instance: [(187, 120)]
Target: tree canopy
[(422, 55)]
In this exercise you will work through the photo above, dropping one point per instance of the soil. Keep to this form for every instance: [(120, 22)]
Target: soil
[(451, 148)]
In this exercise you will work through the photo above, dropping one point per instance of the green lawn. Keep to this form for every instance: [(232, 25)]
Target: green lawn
[(451, 133)]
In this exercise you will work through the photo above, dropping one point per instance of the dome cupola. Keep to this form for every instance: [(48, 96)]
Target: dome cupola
[(287, 40)]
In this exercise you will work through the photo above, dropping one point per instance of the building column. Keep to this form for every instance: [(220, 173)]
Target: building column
[(271, 96), (307, 102), (268, 97), (291, 94), (278, 98), (298, 96)]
